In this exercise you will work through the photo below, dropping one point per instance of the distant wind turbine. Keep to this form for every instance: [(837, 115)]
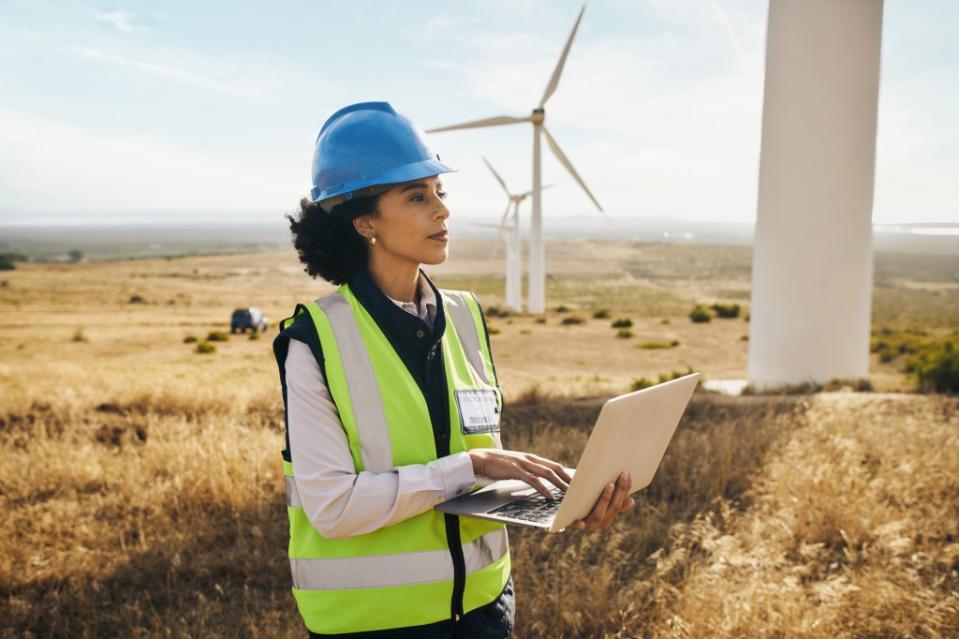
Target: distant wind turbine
[(509, 231), (537, 270)]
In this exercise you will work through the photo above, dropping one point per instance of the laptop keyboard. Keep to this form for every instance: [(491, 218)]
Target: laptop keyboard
[(535, 508)]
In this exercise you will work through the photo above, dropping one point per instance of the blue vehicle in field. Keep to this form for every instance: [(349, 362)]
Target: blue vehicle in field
[(248, 318)]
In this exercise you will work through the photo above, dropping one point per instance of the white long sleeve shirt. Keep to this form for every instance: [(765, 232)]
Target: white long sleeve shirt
[(338, 501)]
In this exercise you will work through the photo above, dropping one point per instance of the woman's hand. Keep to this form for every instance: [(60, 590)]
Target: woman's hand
[(510, 464), (615, 499)]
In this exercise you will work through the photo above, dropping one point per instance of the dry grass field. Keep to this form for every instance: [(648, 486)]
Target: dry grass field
[(142, 495)]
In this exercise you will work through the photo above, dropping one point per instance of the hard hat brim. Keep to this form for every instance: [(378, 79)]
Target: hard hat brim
[(405, 173)]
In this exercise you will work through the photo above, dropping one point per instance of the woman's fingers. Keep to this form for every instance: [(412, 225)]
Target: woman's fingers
[(614, 500), (554, 466), (618, 500), (547, 473), (599, 510), (534, 481), (557, 478)]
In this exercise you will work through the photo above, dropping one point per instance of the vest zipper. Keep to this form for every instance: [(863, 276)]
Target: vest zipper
[(459, 564), (452, 522)]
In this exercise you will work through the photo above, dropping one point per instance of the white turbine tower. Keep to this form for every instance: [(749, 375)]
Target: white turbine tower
[(812, 260), (537, 262), (509, 231)]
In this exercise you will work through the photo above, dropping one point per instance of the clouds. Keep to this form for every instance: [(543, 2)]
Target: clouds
[(668, 121), (53, 165), (122, 21), (664, 124), (659, 107), (244, 85)]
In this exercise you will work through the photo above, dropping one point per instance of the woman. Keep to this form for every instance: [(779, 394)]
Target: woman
[(392, 404)]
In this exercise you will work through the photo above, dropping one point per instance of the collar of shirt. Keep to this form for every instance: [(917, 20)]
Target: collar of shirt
[(427, 302), (399, 326)]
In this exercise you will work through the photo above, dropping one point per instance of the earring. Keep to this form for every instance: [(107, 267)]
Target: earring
[(373, 241)]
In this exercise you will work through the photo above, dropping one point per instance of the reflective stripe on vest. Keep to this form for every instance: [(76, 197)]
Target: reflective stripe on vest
[(374, 438), (400, 575), (395, 570)]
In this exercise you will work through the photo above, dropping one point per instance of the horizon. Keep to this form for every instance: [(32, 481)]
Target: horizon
[(97, 242)]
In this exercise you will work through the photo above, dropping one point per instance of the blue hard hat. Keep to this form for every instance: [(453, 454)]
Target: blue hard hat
[(366, 145)]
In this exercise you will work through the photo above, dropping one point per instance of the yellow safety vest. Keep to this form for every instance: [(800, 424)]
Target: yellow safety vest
[(400, 575)]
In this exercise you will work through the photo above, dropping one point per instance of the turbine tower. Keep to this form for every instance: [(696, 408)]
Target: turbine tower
[(537, 257), (812, 261), (509, 231)]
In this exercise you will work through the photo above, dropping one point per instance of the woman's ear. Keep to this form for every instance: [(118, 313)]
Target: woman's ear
[(364, 226)]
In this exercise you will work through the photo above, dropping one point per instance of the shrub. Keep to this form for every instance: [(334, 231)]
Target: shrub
[(601, 314), (78, 336), (137, 299), (726, 311), (623, 322), (656, 344), (217, 336), (624, 333), (573, 319), (857, 385), (664, 321), (4, 284), (189, 339), (641, 383), (893, 344), (492, 330), (674, 343), (744, 338), (540, 320), (665, 377), (205, 347), (700, 314), (496, 311), (255, 335), (937, 370), (524, 331), (6, 263), (562, 309)]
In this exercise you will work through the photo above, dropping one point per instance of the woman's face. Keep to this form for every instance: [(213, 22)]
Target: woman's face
[(412, 222)]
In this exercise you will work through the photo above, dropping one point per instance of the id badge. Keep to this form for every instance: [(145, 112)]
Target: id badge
[(479, 411)]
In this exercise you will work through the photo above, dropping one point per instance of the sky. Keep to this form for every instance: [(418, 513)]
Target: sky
[(174, 111)]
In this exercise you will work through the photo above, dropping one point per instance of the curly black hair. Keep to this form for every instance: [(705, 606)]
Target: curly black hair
[(327, 243)]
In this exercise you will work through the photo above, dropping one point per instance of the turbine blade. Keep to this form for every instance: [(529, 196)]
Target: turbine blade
[(502, 119), (558, 71), (498, 178), (558, 152)]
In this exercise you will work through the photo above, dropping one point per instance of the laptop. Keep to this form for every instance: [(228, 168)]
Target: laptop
[(631, 433)]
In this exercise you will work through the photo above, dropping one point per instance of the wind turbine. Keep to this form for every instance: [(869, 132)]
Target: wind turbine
[(812, 251), (509, 230), (537, 263)]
